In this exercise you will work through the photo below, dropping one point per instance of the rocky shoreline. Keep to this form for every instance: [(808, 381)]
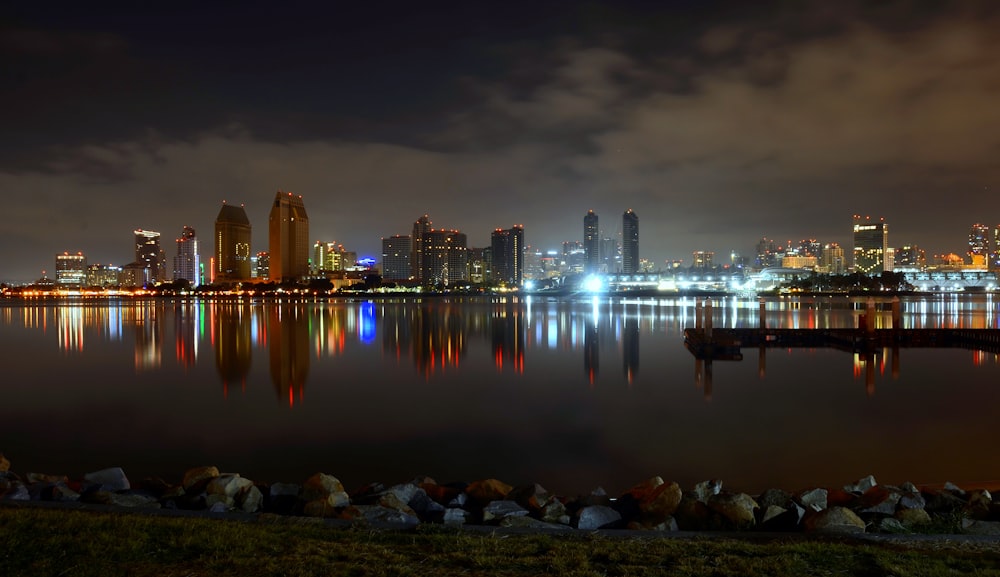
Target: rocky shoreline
[(653, 504)]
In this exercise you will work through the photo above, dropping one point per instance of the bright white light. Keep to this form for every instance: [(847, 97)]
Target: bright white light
[(593, 284), (529, 285)]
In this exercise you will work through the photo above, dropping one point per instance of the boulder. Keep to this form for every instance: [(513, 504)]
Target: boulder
[(112, 479), (320, 508), (669, 524), (834, 520), (251, 500), (593, 517), (706, 489), (225, 488), (325, 488), (378, 516), (911, 518), (692, 514), (555, 512), (531, 497), (426, 508), (813, 499), (889, 525), (496, 511), (954, 489), (404, 492), (878, 500), (487, 490), (4, 464), (773, 497), (198, 476), (942, 501), (775, 518), (393, 501), (441, 494), (661, 502), (43, 478), (975, 527), (911, 500), (15, 491), (978, 503), (455, 516), (737, 509), (59, 492), (861, 485), (596, 497)]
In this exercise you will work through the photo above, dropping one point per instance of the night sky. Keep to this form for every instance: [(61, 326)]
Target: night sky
[(716, 122)]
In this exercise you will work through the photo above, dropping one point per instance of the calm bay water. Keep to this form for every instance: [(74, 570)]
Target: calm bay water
[(573, 394)]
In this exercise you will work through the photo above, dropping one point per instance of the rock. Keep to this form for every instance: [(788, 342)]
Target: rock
[(496, 511), (439, 493), (426, 508), (913, 517), (59, 492), (889, 525), (736, 508), (459, 500), (942, 501), (954, 489), (225, 488), (283, 498), (531, 497), (813, 499), (250, 500), (218, 507), (706, 489), (840, 498), (642, 491), (692, 514), (776, 518), (669, 524), (525, 522), (197, 476), (834, 520), (129, 500), (487, 490), (878, 500), (555, 512), (974, 527), (773, 497), (35, 478), (4, 464), (378, 516), (861, 485), (403, 492), (16, 491), (320, 508), (593, 517), (455, 516), (596, 497), (112, 479), (978, 503), (392, 501), (911, 500), (326, 488), (660, 503), (772, 511)]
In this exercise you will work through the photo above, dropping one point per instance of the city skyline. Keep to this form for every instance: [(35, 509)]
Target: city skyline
[(718, 122)]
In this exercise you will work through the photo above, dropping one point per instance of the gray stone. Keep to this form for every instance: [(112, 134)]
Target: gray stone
[(773, 497), (424, 506), (954, 489), (404, 492), (597, 517), (911, 500), (460, 500), (16, 491), (706, 489), (978, 503), (284, 490), (225, 488), (975, 527), (835, 520), (887, 506), (555, 512), (324, 487), (112, 479), (890, 525), (495, 511), (814, 499), (218, 507), (861, 485), (250, 500), (455, 516), (59, 492), (772, 511), (738, 509)]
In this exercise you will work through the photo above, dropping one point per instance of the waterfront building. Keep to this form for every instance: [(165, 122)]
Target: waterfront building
[(910, 258), (591, 243), (702, 260), (630, 242), (995, 249), (187, 263), (507, 248), (103, 275), (766, 257), (71, 269), (610, 256), (445, 257), (420, 229), (263, 265), (477, 264), (574, 257), (231, 245), (832, 259), (331, 257), (799, 261), (871, 243), (288, 238), (979, 245), (149, 255), (397, 250)]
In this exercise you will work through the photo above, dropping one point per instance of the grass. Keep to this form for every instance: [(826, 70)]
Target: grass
[(81, 543)]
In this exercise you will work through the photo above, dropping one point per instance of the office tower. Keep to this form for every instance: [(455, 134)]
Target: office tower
[(871, 242), (630, 242), (832, 260), (103, 275), (995, 253), (610, 255), (478, 265), (232, 245), (444, 256), (766, 254), (979, 245), (71, 269), (507, 248), (702, 260), (187, 264), (263, 264), (420, 228), (591, 243), (149, 255), (288, 238), (397, 250), (910, 258)]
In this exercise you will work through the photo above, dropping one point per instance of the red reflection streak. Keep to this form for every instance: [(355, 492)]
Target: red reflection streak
[(291, 397)]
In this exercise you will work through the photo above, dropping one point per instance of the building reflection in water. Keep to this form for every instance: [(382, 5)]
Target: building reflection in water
[(438, 337), (146, 320), (187, 322), (230, 335), (288, 337), (508, 335), (630, 348)]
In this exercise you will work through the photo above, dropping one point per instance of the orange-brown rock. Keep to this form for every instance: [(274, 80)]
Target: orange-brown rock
[(488, 490), (4, 464), (199, 475)]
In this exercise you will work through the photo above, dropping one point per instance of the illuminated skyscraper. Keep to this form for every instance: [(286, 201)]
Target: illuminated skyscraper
[(232, 245), (396, 253), (979, 245), (420, 229), (995, 252), (630, 242), (871, 243), (832, 260), (187, 263), (288, 238), (149, 255), (506, 248), (445, 257), (71, 269), (591, 243)]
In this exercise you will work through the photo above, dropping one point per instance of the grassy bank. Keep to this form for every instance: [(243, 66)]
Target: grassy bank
[(72, 542)]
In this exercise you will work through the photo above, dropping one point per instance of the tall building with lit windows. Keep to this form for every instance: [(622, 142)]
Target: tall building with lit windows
[(630, 242), (979, 245), (591, 243), (288, 238), (507, 251), (871, 245), (445, 257), (187, 263), (71, 269), (149, 256), (232, 245), (995, 252), (420, 229), (396, 253)]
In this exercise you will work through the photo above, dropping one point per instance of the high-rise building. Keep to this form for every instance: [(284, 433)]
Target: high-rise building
[(702, 260), (979, 245), (331, 257), (995, 253), (832, 259), (910, 258), (766, 254), (871, 243), (507, 248), (103, 275), (591, 243), (149, 255), (397, 250), (71, 269), (187, 263), (263, 269), (420, 229), (288, 238), (610, 255), (630, 242), (445, 257), (232, 245)]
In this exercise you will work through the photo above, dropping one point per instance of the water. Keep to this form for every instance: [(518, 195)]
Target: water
[(572, 394)]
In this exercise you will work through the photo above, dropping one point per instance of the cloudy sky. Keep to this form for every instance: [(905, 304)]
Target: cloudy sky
[(717, 122)]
